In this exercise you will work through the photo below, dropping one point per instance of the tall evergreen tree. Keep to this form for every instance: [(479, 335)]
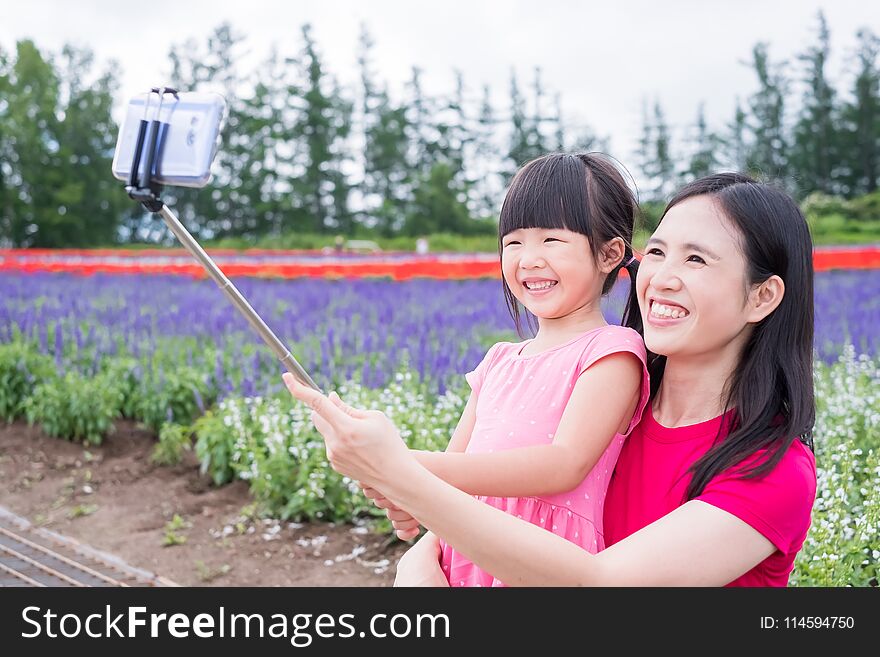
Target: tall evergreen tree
[(31, 126), (861, 139), (7, 189), (488, 183), (736, 149), (704, 145), (90, 201), (769, 145), (222, 209), (322, 187), (664, 163), (814, 141)]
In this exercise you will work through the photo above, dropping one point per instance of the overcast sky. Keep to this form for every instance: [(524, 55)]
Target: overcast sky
[(604, 58)]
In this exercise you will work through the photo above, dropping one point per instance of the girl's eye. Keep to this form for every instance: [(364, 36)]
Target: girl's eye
[(511, 242), (552, 239), (654, 252)]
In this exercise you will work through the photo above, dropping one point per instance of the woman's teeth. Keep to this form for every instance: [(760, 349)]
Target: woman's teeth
[(539, 286), (659, 310)]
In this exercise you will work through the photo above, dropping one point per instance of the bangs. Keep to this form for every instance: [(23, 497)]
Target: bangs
[(550, 192)]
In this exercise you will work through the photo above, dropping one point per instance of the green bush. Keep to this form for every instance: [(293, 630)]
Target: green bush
[(174, 440), (75, 407), (174, 395), (21, 369)]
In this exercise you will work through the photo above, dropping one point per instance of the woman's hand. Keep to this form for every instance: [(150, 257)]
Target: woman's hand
[(363, 445), (406, 527), (420, 565)]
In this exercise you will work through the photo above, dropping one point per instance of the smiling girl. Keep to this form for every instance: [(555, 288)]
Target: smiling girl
[(546, 418)]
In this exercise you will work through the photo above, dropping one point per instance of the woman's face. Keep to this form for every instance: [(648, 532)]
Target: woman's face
[(691, 282)]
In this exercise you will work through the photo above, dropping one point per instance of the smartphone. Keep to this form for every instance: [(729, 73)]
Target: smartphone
[(189, 136)]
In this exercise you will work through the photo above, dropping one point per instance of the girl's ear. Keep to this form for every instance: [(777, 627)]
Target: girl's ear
[(765, 298), (611, 254)]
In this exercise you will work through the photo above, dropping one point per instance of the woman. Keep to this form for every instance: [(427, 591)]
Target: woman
[(716, 483)]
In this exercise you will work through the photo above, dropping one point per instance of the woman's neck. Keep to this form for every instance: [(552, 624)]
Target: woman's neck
[(692, 389)]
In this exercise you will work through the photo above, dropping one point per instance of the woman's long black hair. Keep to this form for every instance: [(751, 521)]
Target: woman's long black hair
[(581, 192), (771, 388)]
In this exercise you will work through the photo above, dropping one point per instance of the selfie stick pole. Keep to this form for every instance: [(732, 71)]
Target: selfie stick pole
[(236, 298), (146, 191)]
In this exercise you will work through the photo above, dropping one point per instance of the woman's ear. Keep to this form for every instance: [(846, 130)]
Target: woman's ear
[(765, 298), (611, 254)]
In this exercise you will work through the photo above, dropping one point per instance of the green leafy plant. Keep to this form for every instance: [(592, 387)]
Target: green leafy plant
[(75, 407), (172, 527), (174, 440), (21, 369)]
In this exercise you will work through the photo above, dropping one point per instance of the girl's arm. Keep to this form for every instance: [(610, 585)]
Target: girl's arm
[(695, 545), (603, 399), (462, 434)]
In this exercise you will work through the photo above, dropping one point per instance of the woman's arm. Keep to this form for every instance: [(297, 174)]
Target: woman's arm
[(695, 545), (603, 399)]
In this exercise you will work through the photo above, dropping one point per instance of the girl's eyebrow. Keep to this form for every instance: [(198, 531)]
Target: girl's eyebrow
[(690, 246)]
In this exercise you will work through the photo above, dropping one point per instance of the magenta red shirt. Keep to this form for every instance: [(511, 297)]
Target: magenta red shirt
[(652, 475)]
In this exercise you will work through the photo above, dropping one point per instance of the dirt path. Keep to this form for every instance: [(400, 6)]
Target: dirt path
[(113, 498)]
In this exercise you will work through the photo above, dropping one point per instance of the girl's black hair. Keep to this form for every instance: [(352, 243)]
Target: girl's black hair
[(771, 388), (581, 192)]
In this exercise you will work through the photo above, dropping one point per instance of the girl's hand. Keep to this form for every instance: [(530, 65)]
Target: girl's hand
[(406, 527), (363, 445), (420, 565)]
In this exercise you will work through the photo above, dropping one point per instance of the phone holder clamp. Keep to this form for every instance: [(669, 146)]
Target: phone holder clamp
[(142, 186)]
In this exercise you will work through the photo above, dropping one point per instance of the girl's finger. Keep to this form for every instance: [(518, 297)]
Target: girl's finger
[(316, 401)]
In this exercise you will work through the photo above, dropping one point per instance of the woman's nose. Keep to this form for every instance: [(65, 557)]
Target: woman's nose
[(665, 277)]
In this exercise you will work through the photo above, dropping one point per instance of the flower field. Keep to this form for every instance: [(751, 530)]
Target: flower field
[(77, 352)]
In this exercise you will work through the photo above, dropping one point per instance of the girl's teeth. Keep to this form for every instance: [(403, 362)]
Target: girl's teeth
[(539, 286)]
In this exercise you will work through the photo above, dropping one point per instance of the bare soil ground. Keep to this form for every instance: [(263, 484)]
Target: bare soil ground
[(113, 498)]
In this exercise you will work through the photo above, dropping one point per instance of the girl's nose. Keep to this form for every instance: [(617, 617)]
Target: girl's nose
[(532, 259)]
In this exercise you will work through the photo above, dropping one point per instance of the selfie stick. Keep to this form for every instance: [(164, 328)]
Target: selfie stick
[(146, 191)]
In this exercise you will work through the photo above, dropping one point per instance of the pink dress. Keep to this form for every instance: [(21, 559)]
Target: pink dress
[(520, 401)]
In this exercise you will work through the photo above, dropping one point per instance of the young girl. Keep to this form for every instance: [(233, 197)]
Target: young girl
[(547, 417), (716, 483)]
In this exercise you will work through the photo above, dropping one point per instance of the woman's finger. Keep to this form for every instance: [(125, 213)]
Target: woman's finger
[(407, 534), (316, 401), (396, 514), (405, 524), (348, 410)]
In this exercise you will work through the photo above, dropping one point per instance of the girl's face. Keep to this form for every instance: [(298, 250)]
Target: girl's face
[(550, 271), (691, 284)]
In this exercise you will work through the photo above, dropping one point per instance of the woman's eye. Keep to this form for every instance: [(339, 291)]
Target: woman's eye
[(698, 258), (654, 252)]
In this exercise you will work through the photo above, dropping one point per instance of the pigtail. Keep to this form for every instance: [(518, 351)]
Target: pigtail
[(632, 316)]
